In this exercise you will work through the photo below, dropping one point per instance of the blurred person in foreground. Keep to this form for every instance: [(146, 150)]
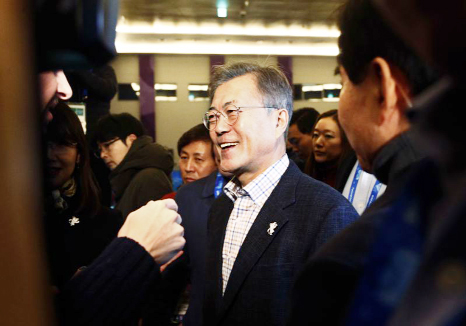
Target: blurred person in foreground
[(78, 227), (380, 77), (114, 287), (436, 291)]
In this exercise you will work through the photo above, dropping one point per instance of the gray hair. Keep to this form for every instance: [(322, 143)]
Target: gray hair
[(271, 83)]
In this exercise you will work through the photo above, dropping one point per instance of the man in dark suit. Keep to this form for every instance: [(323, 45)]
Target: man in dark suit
[(271, 217)]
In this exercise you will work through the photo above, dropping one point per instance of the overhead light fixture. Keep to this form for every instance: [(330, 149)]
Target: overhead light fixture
[(198, 87), (227, 48), (222, 12), (162, 27), (222, 8), (136, 87), (165, 87)]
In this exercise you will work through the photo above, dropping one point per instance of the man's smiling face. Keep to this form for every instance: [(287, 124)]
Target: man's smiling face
[(246, 148)]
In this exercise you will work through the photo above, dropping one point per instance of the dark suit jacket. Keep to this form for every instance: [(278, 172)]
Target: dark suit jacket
[(308, 213), (194, 201), (324, 289)]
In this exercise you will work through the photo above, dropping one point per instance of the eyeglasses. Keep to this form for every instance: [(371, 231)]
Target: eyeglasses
[(60, 148), (104, 147), (230, 114)]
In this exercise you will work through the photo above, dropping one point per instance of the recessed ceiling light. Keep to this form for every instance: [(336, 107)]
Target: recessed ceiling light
[(222, 12)]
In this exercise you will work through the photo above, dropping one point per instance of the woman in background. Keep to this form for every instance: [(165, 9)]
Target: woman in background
[(78, 227), (332, 154)]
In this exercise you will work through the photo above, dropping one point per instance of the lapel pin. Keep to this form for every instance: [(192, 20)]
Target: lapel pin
[(73, 221), (272, 228)]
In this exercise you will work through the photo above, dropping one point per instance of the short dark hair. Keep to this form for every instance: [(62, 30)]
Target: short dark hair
[(365, 35), (196, 133), (271, 83), (304, 118), (120, 126), (65, 129)]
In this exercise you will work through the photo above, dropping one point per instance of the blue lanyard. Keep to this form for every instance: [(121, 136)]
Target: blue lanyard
[(354, 185), (218, 185), (374, 193)]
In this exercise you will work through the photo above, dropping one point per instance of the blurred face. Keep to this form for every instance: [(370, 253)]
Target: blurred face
[(61, 163), (53, 85), (251, 145), (115, 150), (326, 139), (196, 161), (300, 143), (357, 113)]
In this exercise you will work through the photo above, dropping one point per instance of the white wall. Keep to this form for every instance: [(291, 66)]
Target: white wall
[(174, 118)]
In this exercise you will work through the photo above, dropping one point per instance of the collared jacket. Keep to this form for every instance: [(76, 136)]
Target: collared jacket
[(323, 291)]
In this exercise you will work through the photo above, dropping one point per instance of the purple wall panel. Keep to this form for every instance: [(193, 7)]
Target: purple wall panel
[(147, 96), (216, 60), (286, 65)]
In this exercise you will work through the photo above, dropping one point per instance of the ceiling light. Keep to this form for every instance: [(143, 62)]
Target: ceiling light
[(198, 87), (188, 28), (227, 48), (222, 12), (332, 86), (312, 88), (166, 87), (136, 87)]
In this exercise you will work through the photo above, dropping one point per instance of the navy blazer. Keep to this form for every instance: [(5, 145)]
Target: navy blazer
[(194, 201), (308, 213)]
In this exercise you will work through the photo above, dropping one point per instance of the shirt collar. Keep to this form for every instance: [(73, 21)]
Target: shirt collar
[(262, 186)]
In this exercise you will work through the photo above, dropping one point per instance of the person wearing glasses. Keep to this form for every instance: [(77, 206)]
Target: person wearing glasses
[(140, 168), (77, 226), (271, 217)]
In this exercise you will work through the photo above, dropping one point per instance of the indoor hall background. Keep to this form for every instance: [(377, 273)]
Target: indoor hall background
[(174, 118), (181, 35)]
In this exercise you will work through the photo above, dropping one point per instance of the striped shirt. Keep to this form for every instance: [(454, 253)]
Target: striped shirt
[(248, 202)]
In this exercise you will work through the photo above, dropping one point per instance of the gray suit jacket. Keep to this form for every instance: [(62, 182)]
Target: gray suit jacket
[(308, 213)]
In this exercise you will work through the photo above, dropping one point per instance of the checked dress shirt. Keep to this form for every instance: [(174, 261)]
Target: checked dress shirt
[(248, 202)]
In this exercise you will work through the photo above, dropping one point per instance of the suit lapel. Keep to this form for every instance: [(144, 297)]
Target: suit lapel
[(258, 239), (218, 219)]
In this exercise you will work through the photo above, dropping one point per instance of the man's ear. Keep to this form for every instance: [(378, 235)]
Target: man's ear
[(386, 82), (130, 139), (282, 122), (393, 92)]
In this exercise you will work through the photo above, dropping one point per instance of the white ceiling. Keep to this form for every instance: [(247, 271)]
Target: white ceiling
[(270, 27)]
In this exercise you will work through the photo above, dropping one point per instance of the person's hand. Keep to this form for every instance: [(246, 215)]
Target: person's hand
[(156, 227)]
